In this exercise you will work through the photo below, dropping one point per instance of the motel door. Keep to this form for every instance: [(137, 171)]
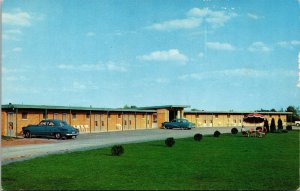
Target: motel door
[(129, 122), (10, 124), (96, 123), (125, 122), (154, 120), (102, 122)]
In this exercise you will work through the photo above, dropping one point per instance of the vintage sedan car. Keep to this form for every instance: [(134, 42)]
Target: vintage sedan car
[(178, 123), (57, 128)]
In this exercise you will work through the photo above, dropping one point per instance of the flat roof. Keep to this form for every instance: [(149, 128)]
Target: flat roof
[(236, 112), (21, 106), (165, 107)]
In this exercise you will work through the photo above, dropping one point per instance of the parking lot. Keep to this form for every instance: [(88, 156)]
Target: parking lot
[(95, 140)]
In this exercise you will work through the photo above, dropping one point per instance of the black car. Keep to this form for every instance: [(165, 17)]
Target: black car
[(56, 128)]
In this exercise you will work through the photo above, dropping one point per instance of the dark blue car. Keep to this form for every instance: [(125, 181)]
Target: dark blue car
[(178, 123), (56, 128)]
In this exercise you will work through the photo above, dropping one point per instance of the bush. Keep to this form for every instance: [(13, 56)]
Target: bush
[(234, 131), (217, 134), (289, 128), (117, 150), (266, 125), (272, 126), (170, 141), (280, 124), (197, 137), (284, 131)]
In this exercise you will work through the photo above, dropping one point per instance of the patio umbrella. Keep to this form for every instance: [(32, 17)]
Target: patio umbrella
[(254, 118)]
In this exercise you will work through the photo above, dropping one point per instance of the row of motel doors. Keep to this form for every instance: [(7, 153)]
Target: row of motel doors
[(99, 123)]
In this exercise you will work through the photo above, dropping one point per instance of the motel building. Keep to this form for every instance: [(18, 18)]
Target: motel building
[(93, 120)]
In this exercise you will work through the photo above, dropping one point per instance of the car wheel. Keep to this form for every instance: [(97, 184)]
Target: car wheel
[(297, 124), (57, 135), (27, 134)]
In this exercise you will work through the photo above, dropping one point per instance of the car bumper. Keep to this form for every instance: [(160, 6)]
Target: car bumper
[(72, 134)]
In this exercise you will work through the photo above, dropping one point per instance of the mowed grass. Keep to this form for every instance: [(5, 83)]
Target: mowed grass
[(230, 162)]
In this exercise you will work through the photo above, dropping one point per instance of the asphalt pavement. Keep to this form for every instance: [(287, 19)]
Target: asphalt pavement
[(98, 140)]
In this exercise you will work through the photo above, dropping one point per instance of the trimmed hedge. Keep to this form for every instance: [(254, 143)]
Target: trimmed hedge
[(198, 137), (117, 150), (289, 128), (217, 133), (170, 142)]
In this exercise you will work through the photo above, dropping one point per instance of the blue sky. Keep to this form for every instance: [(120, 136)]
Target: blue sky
[(213, 55)]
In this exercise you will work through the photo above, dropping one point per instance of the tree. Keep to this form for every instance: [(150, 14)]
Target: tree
[(126, 107), (294, 116), (272, 126), (266, 125), (280, 124), (273, 110)]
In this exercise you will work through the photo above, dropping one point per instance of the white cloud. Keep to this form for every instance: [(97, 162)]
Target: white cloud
[(12, 34), (219, 46), (169, 55), (17, 49), (195, 17), (253, 16), (289, 44), (90, 34), (17, 18), (215, 18), (109, 66), (177, 24), (201, 55), (116, 67), (259, 47), (238, 72)]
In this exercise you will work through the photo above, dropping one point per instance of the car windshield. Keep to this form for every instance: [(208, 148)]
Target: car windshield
[(43, 123)]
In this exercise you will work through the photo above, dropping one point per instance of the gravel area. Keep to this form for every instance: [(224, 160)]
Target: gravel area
[(96, 140)]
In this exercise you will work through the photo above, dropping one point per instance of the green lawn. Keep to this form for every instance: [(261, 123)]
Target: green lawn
[(229, 162)]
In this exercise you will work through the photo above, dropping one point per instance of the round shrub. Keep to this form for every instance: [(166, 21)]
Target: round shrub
[(289, 128), (170, 142), (234, 131), (117, 150), (284, 131), (217, 134), (198, 137)]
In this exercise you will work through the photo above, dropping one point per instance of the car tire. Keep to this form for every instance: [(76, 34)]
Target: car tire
[(297, 124), (27, 134), (57, 135)]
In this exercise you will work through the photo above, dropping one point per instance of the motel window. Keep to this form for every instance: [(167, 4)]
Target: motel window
[(148, 122), (73, 115), (102, 123), (125, 122), (108, 115), (143, 115), (24, 115), (129, 122), (228, 116), (64, 117), (197, 115), (55, 116), (211, 121), (216, 116), (234, 121), (87, 116), (204, 121), (119, 115), (96, 123)]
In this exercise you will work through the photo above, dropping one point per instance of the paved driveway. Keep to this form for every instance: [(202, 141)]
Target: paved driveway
[(97, 140)]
